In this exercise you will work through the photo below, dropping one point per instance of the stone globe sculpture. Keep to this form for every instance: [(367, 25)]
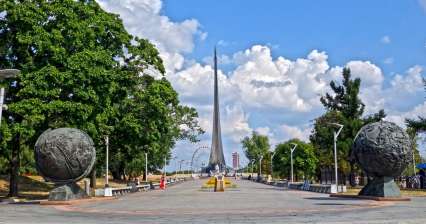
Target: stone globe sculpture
[(64, 156), (383, 151)]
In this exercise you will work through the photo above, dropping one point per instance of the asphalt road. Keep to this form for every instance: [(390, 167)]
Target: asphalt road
[(249, 203)]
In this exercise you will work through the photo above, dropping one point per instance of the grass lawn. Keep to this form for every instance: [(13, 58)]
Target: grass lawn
[(35, 188)]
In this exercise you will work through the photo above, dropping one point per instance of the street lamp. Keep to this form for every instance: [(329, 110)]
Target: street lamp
[(146, 167), (165, 164), (335, 134), (106, 161), (6, 74), (272, 164), (291, 160), (260, 166), (252, 161)]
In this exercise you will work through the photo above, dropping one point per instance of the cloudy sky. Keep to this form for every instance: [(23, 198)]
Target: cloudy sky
[(277, 58)]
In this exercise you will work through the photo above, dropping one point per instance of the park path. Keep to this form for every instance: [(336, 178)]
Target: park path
[(249, 203), (248, 198)]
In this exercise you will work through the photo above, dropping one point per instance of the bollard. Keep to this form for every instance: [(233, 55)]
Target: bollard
[(87, 186)]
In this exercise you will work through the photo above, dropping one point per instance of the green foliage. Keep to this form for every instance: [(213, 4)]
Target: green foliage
[(81, 68), (345, 98), (256, 146), (418, 125), (304, 159)]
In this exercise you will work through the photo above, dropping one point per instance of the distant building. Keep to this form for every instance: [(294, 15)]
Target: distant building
[(235, 160)]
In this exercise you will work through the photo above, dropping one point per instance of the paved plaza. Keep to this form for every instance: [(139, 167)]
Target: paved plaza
[(249, 203)]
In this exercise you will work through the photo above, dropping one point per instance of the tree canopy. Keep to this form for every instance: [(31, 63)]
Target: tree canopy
[(80, 68), (419, 125), (255, 147), (343, 106), (304, 159)]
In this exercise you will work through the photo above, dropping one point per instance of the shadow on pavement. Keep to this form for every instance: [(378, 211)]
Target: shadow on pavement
[(332, 199), (341, 204)]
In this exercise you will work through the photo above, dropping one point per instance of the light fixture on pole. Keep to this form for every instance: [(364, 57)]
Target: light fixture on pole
[(6, 74), (260, 165), (414, 164), (272, 163), (106, 161), (291, 160), (334, 188), (146, 167), (165, 164), (252, 161)]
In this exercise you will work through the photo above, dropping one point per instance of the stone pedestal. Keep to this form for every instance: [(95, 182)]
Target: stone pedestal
[(67, 192), (219, 185), (381, 187)]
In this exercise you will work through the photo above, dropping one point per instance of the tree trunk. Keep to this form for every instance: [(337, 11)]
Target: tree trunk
[(116, 174), (14, 167)]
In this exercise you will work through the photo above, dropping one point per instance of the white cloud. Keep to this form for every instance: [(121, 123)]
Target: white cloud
[(385, 40), (275, 96), (368, 72), (234, 122), (411, 82), (143, 18), (290, 132), (264, 131), (399, 117)]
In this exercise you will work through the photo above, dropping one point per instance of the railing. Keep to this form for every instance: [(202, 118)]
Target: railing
[(118, 191), (304, 186)]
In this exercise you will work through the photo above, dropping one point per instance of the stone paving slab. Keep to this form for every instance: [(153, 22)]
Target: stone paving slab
[(249, 203)]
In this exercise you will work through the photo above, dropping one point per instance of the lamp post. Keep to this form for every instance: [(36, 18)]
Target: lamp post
[(146, 167), (260, 165), (106, 161), (272, 164), (165, 164), (6, 74), (335, 134), (414, 164), (291, 160), (252, 161)]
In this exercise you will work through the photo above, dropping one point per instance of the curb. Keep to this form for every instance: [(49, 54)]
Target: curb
[(78, 201), (370, 197)]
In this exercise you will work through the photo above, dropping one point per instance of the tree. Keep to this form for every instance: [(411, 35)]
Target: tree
[(256, 146), (419, 125), (304, 159), (79, 67), (344, 107), (150, 122)]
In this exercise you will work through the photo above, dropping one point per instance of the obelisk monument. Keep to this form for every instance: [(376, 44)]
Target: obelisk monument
[(217, 160)]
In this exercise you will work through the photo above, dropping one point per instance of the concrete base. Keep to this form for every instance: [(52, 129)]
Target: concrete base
[(381, 187), (108, 192), (67, 192), (370, 197), (333, 189)]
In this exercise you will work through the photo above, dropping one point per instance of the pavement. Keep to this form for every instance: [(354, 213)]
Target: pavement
[(248, 203)]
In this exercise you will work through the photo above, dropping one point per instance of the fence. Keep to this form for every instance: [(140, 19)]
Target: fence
[(118, 191)]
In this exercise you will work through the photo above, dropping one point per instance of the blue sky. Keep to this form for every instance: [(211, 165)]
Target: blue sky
[(347, 30), (278, 57)]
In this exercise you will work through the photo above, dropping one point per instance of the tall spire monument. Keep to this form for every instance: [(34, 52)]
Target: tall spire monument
[(217, 160)]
